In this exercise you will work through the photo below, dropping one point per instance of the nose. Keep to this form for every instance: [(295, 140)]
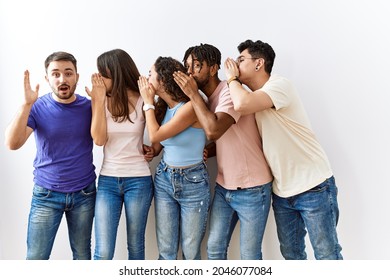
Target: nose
[(62, 78), (189, 70)]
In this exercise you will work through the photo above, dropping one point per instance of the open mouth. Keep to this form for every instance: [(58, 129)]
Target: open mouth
[(63, 88)]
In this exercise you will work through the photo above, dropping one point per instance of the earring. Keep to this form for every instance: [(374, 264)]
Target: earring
[(257, 68)]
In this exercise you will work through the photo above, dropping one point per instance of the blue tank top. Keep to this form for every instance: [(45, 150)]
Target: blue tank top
[(185, 148)]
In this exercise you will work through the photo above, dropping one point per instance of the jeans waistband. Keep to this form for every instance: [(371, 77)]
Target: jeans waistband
[(166, 166)]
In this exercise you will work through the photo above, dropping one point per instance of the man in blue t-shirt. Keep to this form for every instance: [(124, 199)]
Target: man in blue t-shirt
[(64, 174)]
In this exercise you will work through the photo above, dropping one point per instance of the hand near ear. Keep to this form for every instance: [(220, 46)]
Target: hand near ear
[(231, 69)]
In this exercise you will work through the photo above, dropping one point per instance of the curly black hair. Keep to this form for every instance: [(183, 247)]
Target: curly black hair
[(165, 67)]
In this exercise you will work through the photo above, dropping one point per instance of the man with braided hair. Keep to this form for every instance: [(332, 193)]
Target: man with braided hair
[(243, 183)]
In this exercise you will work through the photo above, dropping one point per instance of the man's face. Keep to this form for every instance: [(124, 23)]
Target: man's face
[(246, 64), (199, 71), (62, 78)]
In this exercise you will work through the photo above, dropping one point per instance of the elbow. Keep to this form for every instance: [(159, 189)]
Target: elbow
[(99, 143), (99, 139), (11, 145), (212, 136), (239, 107), (153, 139)]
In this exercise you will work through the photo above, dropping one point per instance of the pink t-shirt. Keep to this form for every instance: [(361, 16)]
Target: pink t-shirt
[(123, 152), (240, 160)]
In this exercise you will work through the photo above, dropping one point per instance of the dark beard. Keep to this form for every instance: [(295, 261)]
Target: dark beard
[(202, 83), (67, 96)]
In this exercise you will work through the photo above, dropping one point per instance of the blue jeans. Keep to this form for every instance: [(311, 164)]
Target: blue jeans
[(182, 198), (251, 207), (47, 208), (136, 194), (315, 210)]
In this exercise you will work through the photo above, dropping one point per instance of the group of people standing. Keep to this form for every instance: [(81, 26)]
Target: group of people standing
[(254, 123)]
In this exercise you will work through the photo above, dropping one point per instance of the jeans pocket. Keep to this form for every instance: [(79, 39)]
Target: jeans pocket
[(89, 190), (40, 192), (195, 176)]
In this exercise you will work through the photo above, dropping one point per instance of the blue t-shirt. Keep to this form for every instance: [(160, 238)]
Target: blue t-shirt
[(185, 148), (64, 159)]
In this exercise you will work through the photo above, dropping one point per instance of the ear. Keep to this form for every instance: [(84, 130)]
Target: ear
[(77, 77), (46, 78), (214, 70), (259, 63)]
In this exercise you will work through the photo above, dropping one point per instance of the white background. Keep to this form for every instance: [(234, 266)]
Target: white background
[(336, 52)]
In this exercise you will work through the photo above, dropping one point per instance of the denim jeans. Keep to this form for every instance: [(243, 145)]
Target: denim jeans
[(136, 194), (251, 207), (47, 208), (315, 210), (182, 198)]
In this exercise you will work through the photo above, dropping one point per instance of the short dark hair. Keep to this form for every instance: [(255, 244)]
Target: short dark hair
[(204, 52), (261, 50), (60, 56)]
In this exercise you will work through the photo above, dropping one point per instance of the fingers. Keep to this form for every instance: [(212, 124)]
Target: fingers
[(146, 89), (27, 80), (27, 84), (141, 81), (182, 80), (180, 77), (96, 80), (87, 90)]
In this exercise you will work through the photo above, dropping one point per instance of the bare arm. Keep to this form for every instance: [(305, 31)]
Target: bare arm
[(211, 150), (184, 117), (17, 132), (214, 124), (245, 102), (98, 99)]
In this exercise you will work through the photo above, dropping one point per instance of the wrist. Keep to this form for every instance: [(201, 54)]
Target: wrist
[(147, 107), (233, 78)]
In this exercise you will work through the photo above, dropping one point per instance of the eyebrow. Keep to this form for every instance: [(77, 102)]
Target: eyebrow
[(66, 69)]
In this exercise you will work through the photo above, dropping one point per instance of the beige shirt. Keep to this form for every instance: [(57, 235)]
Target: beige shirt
[(123, 152), (297, 160)]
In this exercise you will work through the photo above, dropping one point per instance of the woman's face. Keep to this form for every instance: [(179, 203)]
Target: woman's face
[(153, 78)]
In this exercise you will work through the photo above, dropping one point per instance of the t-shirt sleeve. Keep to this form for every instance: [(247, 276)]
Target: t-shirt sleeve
[(278, 90), (225, 105), (31, 120)]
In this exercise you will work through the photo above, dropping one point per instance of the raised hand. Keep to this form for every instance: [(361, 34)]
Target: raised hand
[(98, 91), (146, 90), (30, 96), (231, 68), (186, 83)]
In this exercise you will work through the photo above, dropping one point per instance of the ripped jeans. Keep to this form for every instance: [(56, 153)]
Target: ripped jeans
[(182, 199)]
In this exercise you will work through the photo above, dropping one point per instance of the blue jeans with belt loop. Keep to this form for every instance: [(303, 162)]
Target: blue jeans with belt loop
[(135, 194), (182, 199), (47, 209), (316, 211), (251, 207)]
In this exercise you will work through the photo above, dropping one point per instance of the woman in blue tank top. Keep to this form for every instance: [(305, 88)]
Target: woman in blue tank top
[(182, 192)]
